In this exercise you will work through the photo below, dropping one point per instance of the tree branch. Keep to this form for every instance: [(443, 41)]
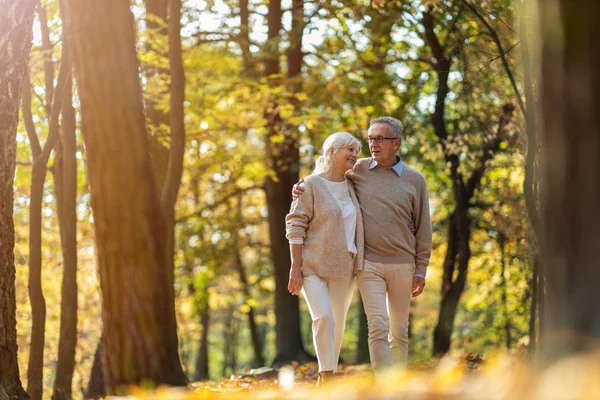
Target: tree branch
[(36, 148), (498, 43), (219, 202), (64, 76), (489, 150)]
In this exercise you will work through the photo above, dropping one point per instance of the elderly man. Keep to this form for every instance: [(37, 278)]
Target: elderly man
[(391, 196)]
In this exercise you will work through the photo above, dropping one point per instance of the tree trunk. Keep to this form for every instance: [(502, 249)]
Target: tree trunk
[(503, 291), (570, 176), (244, 40), (259, 360), (202, 372), (173, 183), (443, 330), (533, 310), (38, 178), (230, 343), (15, 45), (283, 158), (66, 190), (130, 231), (96, 388)]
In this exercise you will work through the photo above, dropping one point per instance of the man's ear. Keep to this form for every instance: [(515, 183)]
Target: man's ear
[(399, 143)]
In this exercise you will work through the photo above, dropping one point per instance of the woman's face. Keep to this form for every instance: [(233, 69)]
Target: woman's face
[(344, 158)]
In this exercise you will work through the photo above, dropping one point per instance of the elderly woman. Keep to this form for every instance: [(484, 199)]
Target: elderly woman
[(325, 231)]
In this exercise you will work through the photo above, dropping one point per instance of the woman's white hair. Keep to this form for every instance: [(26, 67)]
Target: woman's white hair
[(334, 142)]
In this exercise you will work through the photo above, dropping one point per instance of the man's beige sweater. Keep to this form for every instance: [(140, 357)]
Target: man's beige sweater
[(389, 203), (316, 217)]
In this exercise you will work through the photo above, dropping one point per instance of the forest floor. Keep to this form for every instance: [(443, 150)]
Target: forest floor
[(497, 377), (431, 380)]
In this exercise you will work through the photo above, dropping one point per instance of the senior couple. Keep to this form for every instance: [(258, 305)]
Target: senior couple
[(366, 219)]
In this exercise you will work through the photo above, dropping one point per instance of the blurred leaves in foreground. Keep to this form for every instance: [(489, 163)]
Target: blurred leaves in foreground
[(501, 376)]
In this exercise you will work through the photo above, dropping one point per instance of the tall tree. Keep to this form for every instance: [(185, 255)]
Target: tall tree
[(172, 181), (65, 173), (464, 187), (284, 160), (40, 159), (570, 174), (130, 229), (15, 45)]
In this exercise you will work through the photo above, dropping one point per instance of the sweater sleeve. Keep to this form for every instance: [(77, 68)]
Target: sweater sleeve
[(423, 227), (301, 212)]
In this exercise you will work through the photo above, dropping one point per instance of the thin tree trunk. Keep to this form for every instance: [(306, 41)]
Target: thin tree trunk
[(229, 339), (202, 372), (503, 292), (67, 203), (259, 360), (38, 178), (130, 231), (15, 45), (96, 388), (244, 40), (173, 183), (533, 311)]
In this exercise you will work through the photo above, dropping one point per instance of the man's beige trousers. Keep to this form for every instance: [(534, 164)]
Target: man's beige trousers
[(385, 290), (328, 301)]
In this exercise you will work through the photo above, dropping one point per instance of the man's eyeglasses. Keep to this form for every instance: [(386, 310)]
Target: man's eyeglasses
[(379, 139)]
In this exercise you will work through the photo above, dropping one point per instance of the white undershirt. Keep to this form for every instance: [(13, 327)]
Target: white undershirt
[(341, 192)]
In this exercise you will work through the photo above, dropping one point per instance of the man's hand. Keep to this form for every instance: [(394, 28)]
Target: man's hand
[(418, 284), (297, 190), (296, 280)]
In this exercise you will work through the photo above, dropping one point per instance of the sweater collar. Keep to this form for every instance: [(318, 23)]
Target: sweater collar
[(398, 167)]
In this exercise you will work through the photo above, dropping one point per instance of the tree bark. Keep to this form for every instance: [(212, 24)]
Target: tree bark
[(130, 230), (570, 175), (15, 45)]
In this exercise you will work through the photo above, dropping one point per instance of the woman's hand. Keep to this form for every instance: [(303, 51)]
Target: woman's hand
[(411, 228), (295, 282)]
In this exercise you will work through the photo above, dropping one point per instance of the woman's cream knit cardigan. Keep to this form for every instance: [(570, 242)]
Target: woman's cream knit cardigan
[(316, 217)]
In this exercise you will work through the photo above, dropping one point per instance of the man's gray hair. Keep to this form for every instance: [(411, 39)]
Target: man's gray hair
[(394, 125)]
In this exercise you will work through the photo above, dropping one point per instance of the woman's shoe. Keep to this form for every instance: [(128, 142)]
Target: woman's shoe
[(324, 377)]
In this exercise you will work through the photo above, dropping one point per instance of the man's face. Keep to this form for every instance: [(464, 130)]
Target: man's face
[(385, 152)]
